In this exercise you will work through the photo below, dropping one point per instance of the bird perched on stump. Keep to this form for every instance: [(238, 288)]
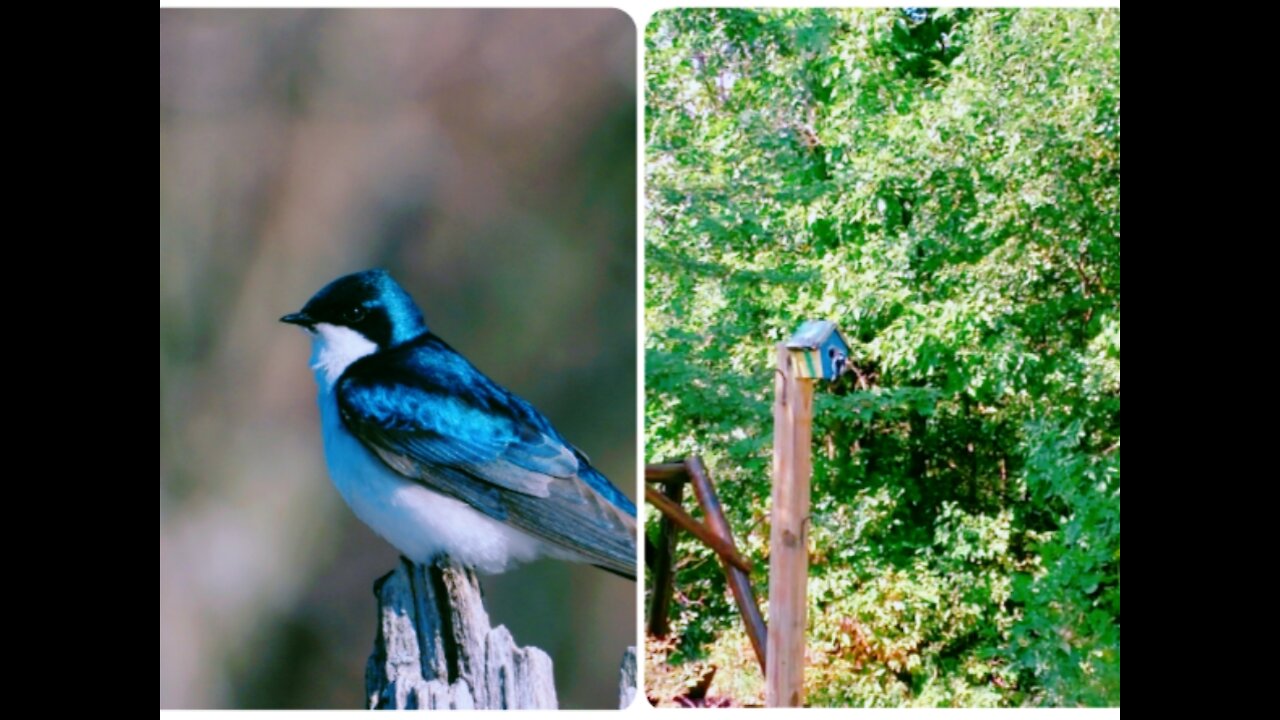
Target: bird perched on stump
[(437, 458)]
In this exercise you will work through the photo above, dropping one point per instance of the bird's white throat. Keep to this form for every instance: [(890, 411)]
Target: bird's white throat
[(333, 349)]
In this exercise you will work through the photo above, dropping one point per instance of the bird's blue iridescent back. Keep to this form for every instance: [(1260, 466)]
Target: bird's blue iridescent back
[(431, 414)]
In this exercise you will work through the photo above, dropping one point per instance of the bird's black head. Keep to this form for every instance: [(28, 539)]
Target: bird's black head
[(370, 303)]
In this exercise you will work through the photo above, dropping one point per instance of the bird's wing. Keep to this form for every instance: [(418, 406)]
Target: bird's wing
[(431, 416)]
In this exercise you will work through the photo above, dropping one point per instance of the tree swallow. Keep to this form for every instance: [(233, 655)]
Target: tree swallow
[(437, 458)]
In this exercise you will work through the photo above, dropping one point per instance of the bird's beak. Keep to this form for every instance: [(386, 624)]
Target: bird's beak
[(299, 318)]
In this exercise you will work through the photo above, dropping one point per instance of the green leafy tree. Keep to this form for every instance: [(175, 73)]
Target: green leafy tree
[(945, 185)]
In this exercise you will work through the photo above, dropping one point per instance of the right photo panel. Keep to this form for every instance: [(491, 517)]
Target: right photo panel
[(882, 358)]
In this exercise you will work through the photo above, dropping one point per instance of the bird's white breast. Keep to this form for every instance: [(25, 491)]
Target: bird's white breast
[(421, 523)]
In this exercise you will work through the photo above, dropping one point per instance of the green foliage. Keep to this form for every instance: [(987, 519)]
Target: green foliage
[(945, 185)]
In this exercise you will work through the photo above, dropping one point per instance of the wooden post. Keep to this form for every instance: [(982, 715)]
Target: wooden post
[(715, 533), (435, 649), (789, 534), (627, 679), (663, 575)]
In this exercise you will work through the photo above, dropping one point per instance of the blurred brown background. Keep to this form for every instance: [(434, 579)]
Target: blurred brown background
[(487, 159)]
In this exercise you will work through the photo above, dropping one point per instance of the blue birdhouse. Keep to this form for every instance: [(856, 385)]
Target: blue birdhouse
[(818, 351)]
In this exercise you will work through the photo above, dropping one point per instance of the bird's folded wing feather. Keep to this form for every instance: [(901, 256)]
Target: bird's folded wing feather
[(446, 425)]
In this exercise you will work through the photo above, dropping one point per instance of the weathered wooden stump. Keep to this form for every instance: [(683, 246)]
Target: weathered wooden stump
[(435, 649), (627, 681)]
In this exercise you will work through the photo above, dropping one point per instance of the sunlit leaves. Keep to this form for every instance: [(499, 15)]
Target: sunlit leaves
[(946, 187)]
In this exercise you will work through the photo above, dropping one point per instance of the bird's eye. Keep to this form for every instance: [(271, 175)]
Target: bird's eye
[(353, 315)]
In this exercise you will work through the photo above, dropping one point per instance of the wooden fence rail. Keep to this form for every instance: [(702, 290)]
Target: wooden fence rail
[(715, 534)]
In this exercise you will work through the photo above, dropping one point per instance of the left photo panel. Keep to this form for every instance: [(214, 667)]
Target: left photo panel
[(397, 358)]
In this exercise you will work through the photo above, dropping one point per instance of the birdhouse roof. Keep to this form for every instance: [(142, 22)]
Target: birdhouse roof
[(813, 334)]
